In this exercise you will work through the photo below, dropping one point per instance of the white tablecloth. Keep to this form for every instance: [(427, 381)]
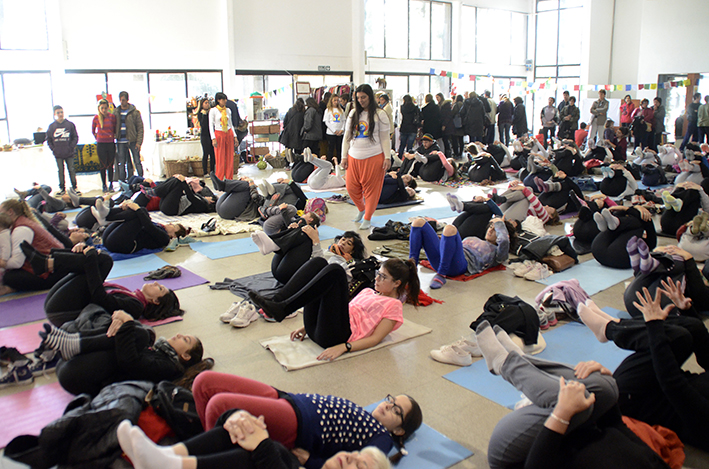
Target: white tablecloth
[(172, 151)]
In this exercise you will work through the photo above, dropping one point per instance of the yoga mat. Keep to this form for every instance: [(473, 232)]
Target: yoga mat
[(22, 310), (186, 280), (398, 204), (466, 277), (433, 212), (23, 338), (428, 448), (570, 344), (652, 188), (235, 247), (117, 256), (321, 194), (137, 265), (592, 276), (298, 355), (160, 322), (27, 412)]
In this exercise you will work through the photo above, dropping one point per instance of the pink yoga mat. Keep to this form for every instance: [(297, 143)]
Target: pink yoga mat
[(24, 338), (31, 308), (27, 412)]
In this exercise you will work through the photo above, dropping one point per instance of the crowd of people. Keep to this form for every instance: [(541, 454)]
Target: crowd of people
[(573, 416)]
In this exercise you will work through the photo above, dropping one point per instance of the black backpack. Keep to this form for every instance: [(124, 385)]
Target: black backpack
[(176, 406), (363, 273)]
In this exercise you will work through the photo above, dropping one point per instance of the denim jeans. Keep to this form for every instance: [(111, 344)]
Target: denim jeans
[(406, 142), (69, 162), (124, 165)]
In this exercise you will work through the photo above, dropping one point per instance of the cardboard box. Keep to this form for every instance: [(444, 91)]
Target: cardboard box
[(261, 151), (275, 129), (261, 129)]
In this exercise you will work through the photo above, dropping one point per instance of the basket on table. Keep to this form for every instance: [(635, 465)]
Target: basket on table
[(177, 167)]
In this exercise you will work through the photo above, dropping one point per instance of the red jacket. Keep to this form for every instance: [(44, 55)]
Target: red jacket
[(626, 113)]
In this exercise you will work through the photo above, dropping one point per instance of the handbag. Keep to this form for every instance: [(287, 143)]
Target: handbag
[(559, 263), (458, 122)]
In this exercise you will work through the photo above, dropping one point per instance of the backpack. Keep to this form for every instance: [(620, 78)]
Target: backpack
[(585, 183), (176, 406), (363, 273), (317, 206)]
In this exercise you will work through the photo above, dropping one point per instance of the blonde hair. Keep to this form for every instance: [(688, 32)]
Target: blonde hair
[(100, 116), (379, 457), (330, 104), (19, 207)]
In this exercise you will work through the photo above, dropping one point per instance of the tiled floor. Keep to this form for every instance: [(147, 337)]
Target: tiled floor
[(403, 368)]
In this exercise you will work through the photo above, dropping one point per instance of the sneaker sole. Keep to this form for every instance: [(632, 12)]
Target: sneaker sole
[(17, 383), (241, 324), (448, 361)]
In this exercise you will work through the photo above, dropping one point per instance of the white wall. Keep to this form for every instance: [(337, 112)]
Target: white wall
[(293, 35), (139, 34), (653, 37)]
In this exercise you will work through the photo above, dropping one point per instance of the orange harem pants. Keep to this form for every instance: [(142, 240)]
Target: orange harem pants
[(224, 155), (365, 179)]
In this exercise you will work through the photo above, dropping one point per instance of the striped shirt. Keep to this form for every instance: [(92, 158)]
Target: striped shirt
[(106, 133)]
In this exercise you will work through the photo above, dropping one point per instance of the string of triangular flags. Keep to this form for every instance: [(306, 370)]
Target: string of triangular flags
[(534, 86), (282, 89)]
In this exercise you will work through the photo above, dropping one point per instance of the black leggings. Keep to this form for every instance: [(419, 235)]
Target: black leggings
[(433, 170), (671, 221), (97, 364), (22, 280), (301, 171), (170, 193), (122, 236), (321, 289), (106, 157), (474, 220), (236, 197), (560, 199), (208, 159), (652, 386), (585, 228), (71, 294), (333, 142), (610, 247), (296, 249)]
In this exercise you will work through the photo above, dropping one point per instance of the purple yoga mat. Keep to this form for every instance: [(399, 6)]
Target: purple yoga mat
[(31, 308)]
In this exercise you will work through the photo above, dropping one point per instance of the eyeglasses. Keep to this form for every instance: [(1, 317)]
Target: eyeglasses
[(381, 275), (396, 408)]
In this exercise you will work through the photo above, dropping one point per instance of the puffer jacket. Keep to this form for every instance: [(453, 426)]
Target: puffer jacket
[(134, 125)]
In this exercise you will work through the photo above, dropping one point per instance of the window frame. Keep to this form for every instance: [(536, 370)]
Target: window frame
[(449, 6)]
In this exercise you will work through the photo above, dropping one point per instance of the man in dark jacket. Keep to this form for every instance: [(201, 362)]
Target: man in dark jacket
[(504, 120), (473, 113), (692, 119), (129, 136), (62, 139)]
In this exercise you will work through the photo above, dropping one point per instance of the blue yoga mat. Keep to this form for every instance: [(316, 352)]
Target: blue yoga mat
[(235, 247), (136, 265), (570, 344), (429, 448), (398, 204), (652, 188), (433, 212), (321, 195), (592, 276)]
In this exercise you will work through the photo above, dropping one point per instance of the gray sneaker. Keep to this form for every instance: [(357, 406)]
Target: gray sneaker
[(17, 375)]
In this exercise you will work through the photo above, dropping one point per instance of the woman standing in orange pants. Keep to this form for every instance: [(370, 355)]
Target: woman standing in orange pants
[(367, 148), (222, 131)]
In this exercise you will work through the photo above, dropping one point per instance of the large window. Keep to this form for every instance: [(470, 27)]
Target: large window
[(4, 133), (23, 25), (557, 52), (408, 29), (25, 117), (160, 97), (493, 36)]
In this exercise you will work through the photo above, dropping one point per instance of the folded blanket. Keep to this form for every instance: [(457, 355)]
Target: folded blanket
[(297, 355), (194, 221)]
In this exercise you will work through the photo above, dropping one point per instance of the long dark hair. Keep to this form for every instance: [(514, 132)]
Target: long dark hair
[(168, 306), (371, 111), (406, 272), (194, 366), (299, 105), (358, 249), (310, 102), (411, 423)]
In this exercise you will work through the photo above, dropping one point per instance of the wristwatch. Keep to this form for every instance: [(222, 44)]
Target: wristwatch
[(348, 346)]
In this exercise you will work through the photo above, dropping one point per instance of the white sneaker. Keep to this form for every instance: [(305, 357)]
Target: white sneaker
[(539, 272), (453, 355), (469, 346), (522, 268), (231, 312), (246, 315)]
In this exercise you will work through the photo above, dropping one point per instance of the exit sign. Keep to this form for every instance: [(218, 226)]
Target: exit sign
[(323, 68)]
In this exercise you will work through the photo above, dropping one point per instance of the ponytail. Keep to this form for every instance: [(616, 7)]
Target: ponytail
[(411, 423), (406, 272)]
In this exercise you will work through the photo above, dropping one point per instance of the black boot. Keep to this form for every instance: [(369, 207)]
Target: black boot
[(37, 261), (271, 308)]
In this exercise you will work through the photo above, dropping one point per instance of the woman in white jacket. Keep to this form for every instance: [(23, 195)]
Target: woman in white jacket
[(334, 119)]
